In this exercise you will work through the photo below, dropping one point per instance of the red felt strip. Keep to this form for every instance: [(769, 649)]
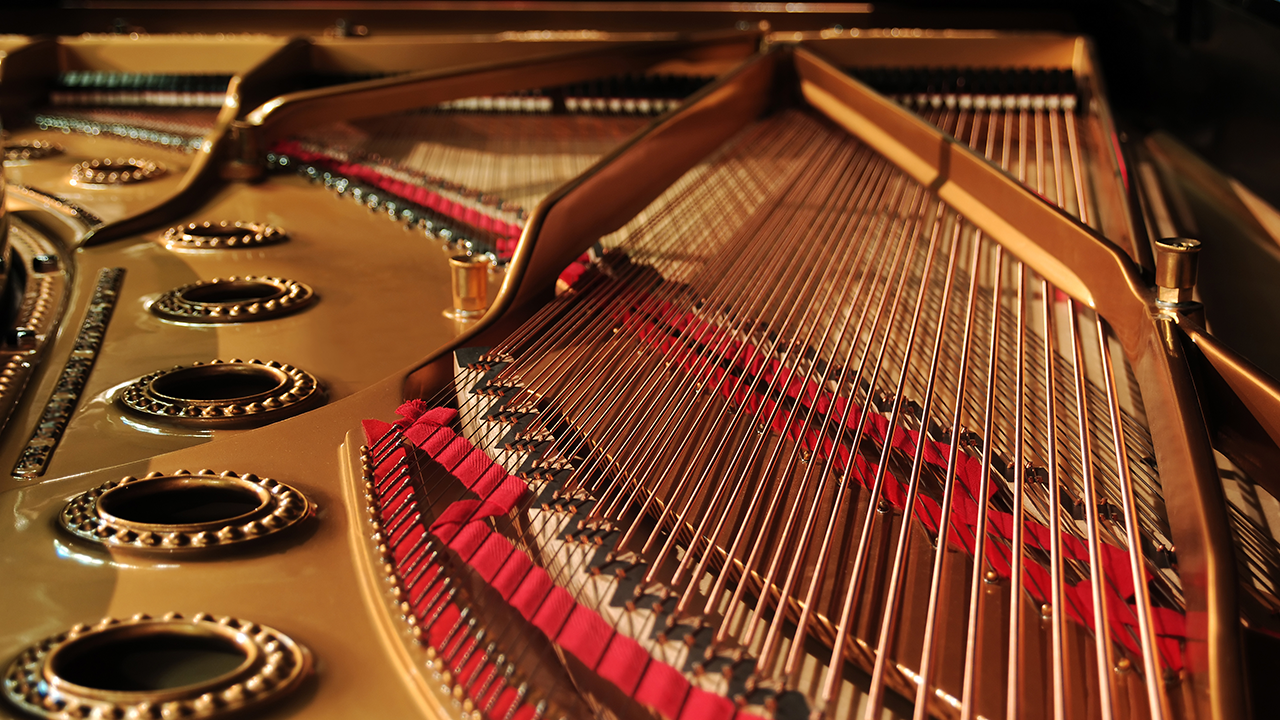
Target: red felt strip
[(529, 589), (415, 193)]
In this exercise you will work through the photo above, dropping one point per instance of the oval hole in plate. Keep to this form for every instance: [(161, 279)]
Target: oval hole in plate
[(231, 291), (220, 383), (146, 662), (217, 230), (179, 503)]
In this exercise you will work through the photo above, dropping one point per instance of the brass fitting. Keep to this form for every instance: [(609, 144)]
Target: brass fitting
[(470, 286), (1176, 270)]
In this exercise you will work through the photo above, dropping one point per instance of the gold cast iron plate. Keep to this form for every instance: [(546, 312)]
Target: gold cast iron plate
[(233, 299), (90, 515), (223, 394), (222, 235), (120, 171), (273, 665)]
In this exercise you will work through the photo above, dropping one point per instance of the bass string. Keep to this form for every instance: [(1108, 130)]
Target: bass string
[(719, 507), (650, 302), (1104, 647), (913, 488), (1018, 553), (615, 513), (889, 619), (774, 458), (1056, 616), (1133, 434), (1102, 627), (1110, 475), (604, 393), (1126, 468), (711, 307), (1157, 694), (799, 551), (819, 565), (876, 486), (886, 629), (980, 533), (691, 496), (1019, 414), (625, 282), (1085, 458), (1096, 565)]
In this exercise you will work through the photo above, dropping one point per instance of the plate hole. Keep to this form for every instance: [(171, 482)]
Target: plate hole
[(179, 503), (232, 291), (214, 231), (219, 383), (147, 662)]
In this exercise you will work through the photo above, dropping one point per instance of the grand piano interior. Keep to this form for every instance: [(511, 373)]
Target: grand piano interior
[(679, 360)]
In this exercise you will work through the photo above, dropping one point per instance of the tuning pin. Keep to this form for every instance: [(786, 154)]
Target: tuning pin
[(463, 621), (502, 682), (492, 676), (440, 608), (521, 692)]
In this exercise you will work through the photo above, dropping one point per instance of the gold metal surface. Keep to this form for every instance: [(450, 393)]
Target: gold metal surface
[(355, 262), (310, 587)]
